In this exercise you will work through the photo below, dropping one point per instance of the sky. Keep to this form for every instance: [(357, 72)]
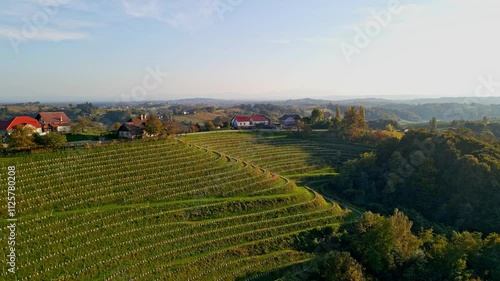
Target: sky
[(142, 50)]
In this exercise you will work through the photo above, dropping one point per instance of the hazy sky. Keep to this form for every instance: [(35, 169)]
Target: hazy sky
[(75, 50)]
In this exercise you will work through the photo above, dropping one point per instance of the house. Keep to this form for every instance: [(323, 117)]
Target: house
[(259, 120), (54, 122), (129, 130), (6, 127), (289, 120), (133, 128), (327, 115), (240, 121), (189, 112)]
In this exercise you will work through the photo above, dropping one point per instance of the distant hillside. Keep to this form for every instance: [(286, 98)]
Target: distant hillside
[(467, 100)]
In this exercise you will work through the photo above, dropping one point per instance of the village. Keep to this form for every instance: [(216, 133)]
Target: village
[(19, 130)]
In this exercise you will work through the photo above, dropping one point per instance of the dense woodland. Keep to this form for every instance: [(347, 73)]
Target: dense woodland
[(386, 248), (447, 183), (449, 178)]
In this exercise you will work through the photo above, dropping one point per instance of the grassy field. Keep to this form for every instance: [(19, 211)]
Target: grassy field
[(200, 117), (205, 208)]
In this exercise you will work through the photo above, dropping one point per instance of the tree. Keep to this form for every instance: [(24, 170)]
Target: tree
[(362, 113), (52, 140), (116, 126), (172, 128), (340, 266), (80, 127), (87, 107), (390, 128), (299, 124), (385, 244), (114, 116), (338, 114), (21, 138), (316, 115), (153, 125), (353, 120), (210, 109), (209, 126), (335, 126), (433, 124)]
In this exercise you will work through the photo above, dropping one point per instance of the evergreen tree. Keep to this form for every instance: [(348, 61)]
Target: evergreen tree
[(433, 124), (338, 114)]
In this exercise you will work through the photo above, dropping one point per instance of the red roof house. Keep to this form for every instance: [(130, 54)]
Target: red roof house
[(240, 121), (259, 120), (27, 122), (54, 121), (134, 128)]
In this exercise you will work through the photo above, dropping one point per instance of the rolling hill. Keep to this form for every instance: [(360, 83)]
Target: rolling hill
[(158, 210)]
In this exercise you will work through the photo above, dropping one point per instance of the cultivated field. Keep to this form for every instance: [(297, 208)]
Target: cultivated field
[(280, 153), (166, 210)]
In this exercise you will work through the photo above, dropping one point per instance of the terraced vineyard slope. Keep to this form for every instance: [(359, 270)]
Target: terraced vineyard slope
[(281, 153), (157, 210)]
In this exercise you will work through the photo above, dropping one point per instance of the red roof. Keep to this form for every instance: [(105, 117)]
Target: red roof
[(259, 118), (241, 119), (19, 120), (136, 121), (54, 118)]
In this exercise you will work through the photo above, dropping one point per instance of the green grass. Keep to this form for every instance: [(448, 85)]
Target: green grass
[(82, 137)]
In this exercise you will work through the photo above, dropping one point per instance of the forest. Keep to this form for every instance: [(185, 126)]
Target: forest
[(436, 211)]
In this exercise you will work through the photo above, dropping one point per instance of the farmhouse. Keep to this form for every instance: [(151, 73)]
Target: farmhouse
[(6, 127), (54, 122), (327, 115), (250, 122), (259, 120), (289, 120), (133, 128), (240, 121)]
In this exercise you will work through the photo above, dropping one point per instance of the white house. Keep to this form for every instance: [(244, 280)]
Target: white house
[(54, 121), (240, 121), (256, 120), (133, 128), (289, 120)]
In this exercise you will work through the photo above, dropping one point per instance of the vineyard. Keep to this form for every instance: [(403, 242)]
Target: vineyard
[(281, 153), (203, 209)]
